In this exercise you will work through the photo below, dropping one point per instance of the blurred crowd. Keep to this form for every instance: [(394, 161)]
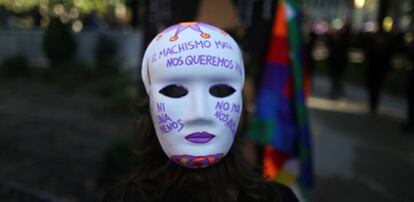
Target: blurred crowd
[(379, 51)]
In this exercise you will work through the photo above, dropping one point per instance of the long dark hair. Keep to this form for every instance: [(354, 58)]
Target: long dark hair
[(156, 178)]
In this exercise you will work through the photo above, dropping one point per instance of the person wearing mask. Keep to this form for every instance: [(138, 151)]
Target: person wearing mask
[(188, 143)]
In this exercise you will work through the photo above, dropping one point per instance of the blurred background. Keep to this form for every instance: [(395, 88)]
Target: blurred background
[(69, 81)]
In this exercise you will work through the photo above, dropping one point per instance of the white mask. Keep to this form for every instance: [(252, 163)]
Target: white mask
[(194, 75)]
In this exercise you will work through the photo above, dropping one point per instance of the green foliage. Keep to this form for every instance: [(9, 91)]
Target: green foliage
[(15, 66), (19, 5), (118, 160), (58, 43), (85, 6)]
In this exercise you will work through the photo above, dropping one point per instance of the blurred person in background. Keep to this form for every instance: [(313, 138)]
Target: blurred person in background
[(378, 53), (338, 43), (37, 17), (310, 46)]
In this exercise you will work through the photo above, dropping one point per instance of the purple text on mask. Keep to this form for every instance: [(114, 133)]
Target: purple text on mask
[(215, 61), (232, 125), (172, 125), (164, 118), (166, 124), (227, 120), (222, 106), (190, 45), (223, 45), (160, 107), (207, 60), (235, 108), (222, 109), (183, 47), (225, 106), (173, 62), (239, 68), (154, 58)]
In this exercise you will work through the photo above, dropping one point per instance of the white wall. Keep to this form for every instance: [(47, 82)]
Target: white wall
[(29, 43)]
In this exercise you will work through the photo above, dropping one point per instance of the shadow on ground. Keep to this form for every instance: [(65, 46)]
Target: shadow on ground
[(52, 142), (361, 157)]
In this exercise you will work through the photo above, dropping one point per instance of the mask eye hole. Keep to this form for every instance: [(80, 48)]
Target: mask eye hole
[(221, 90), (174, 91)]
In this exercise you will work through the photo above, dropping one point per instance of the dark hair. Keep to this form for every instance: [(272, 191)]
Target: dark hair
[(156, 178)]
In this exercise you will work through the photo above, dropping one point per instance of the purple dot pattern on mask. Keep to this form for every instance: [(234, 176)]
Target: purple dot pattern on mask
[(190, 161), (223, 110)]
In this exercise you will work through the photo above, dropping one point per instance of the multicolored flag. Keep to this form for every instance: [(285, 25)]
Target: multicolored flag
[(280, 123)]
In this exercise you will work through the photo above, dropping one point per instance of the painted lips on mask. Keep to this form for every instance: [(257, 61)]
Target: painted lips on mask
[(200, 137)]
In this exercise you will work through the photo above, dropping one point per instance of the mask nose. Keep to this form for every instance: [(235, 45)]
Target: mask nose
[(199, 109)]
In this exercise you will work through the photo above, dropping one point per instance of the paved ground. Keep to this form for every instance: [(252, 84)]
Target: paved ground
[(360, 157), (52, 142)]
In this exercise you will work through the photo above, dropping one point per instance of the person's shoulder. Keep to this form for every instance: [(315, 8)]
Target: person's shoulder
[(285, 193)]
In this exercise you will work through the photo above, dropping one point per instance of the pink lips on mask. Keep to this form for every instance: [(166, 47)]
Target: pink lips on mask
[(200, 137)]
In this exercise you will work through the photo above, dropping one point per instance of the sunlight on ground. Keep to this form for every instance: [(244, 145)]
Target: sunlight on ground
[(341, 105), (353, 107)]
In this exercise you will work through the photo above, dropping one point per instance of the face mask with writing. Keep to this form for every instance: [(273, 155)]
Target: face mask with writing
[(194, 74)]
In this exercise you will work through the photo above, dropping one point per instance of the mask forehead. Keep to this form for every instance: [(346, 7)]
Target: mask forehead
[(193, 49)]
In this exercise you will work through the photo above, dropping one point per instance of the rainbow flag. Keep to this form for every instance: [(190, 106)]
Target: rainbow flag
[(280, 123)]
